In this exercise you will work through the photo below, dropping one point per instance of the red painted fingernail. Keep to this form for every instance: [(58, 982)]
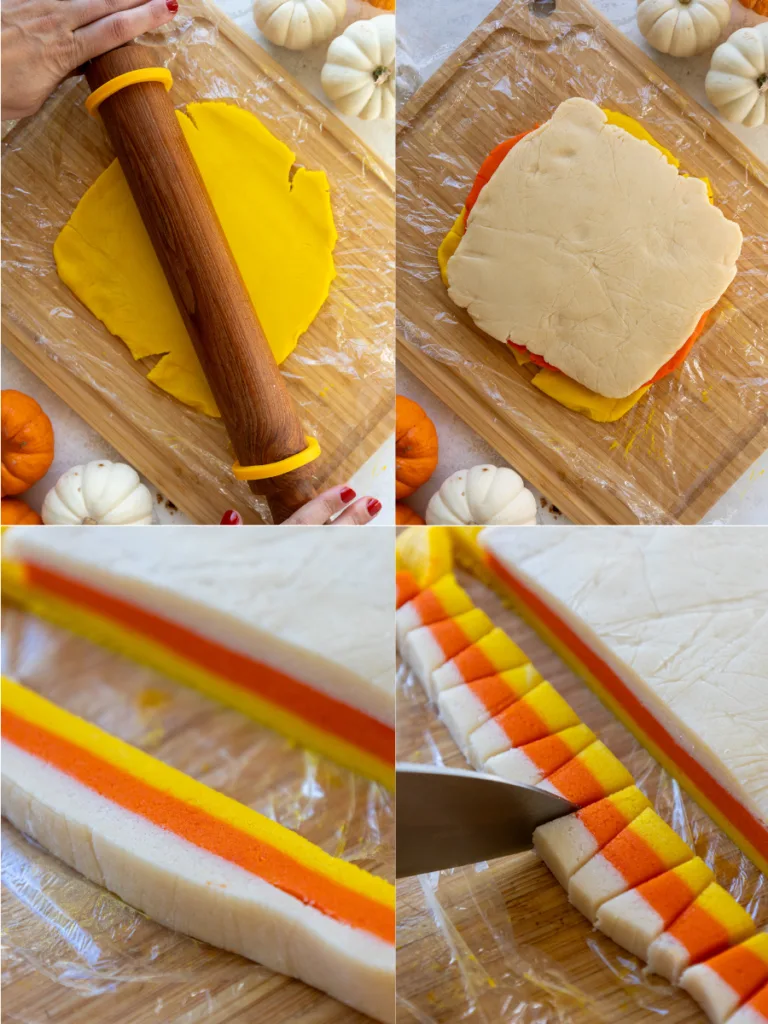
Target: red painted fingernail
[(172, 5), (374, 507), (347, 494), (230, 517)]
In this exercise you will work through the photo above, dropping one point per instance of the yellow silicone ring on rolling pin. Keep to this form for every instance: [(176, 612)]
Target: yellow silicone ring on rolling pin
[(97, 97), (310, 453)]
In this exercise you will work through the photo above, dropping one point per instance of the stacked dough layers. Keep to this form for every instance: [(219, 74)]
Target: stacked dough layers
[(624, 868), (668, 629), (262, 623), (192, 859)]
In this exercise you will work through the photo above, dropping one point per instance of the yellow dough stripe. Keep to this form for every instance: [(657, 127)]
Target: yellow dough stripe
[(476, 560), (107, 632), (34, 724)]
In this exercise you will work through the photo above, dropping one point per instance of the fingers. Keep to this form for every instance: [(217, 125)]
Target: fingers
[(362, 512), (320, 510), (121, 27), (83, 12)]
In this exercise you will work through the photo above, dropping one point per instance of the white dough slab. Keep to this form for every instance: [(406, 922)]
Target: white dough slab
[(193, 891), (681, 615), (312, 602)]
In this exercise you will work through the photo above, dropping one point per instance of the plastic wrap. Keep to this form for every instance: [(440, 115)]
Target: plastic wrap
[(696, 431), (69, 944), (341, 375), (499, 941)]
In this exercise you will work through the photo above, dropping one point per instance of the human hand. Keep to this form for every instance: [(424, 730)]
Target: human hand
[(43, 41), (318, 512)]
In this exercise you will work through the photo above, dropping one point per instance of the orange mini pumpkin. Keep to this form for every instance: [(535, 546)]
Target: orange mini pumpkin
[(415, 447), (27, 442), (758, 6), (405, 516), (16, 512), (383, 5)]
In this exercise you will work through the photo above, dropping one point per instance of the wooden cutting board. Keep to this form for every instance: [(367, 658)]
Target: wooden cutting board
[(688, 441), (75, 953), (509, 938), (341, 374)]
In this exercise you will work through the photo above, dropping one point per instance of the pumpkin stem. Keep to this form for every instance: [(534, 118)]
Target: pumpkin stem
[(89, 522), (762, 83), (381, 74)]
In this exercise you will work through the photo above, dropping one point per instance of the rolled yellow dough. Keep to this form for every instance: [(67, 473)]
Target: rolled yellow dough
[(280, 229)]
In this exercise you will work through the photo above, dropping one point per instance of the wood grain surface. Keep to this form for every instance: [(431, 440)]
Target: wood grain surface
[(74, 953), (341, 376), (499, 941), (696, 432)]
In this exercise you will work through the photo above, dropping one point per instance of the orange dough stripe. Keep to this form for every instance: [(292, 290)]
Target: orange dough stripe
[(487, 170), (407, 587), (759, 1002), (700, 930), (496, 692), (668, 894), (199, 827), (270, 684), (652, 733)]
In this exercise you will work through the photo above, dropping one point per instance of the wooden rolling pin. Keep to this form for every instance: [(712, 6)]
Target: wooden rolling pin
[(206, 283)]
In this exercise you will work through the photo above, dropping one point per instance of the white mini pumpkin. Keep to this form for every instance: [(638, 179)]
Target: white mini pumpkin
[(298, 24), (483, 496), (737, 80), (98, 494), (682, 28), (359, 71)]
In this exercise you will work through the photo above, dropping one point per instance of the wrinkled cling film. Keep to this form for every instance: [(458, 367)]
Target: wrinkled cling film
[(505, 74), (350, 361), (70, 943), (498, 940)]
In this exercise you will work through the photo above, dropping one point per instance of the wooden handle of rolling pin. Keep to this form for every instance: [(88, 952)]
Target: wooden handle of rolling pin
[(177, 212)]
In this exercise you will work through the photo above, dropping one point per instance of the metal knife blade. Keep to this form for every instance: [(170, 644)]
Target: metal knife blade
[(448, 816)]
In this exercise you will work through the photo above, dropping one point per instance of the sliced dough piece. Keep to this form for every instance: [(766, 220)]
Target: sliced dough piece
[(539, 713), (443, 600), (591, 775), (722, 984), (754, 1011), (646, 848), (635, 918), (712, 923), (591, 250), (429, 647), (259, 622), (493, 653), (569, 842), (192, 859), (669, 629), (464, 708), (532, 763)]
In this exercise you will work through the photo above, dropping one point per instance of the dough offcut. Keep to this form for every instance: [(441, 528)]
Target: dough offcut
[(280, 229)]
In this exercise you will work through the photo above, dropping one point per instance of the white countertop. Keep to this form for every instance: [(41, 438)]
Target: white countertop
[(76, 442), (428, 32)]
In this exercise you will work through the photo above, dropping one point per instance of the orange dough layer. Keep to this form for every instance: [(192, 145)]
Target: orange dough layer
[(668, 895), (549, 753), (633, 858), (407, 588), (318, 708), (451, 637), (752, 830), (493, 693), (522, 724), (700, 933), (740, 968), (200, 828), (603, 819)]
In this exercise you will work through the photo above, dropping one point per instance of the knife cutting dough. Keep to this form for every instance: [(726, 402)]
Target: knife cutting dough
[(279, 226), (583, 247), (667, 627)]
